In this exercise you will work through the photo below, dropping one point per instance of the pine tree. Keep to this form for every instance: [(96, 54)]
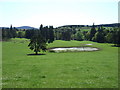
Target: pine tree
[(92, 32), (14, 34), (37, 42), (116, 36), (99, 36), (51, 34)]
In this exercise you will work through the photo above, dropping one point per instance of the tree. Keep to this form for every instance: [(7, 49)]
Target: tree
[(109, 38), (41, 27), (51, 34), (37, 42), (14, 34), (79, 36), (29, 33), (20, 34), (99, 36), (87, 35), (47, 33), (116, 36), (11, 27), (10, 32), (92, 32), (66, 35)]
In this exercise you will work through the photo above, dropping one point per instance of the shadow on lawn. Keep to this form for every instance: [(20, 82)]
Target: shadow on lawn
[(35, 54), (115, 45)]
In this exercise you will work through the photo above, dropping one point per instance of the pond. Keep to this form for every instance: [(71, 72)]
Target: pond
[(62, 49)]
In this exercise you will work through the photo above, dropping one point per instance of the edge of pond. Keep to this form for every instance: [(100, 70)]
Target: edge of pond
[(49, 49)]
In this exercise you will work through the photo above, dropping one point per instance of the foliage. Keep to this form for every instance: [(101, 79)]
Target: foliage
[(92, 32), (98, 34), (79, 36), (8, 33), (116, 36), (29, 33), (109, 38), (37, 42), (50, 34), (20, 34)]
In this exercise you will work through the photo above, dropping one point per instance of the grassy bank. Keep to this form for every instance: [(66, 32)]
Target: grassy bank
[(59, 70)]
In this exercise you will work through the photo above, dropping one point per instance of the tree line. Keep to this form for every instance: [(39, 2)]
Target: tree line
[(12, 32), (98, 34), (40, 37)]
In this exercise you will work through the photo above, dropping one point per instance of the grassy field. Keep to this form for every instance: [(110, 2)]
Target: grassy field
[(97, 69)]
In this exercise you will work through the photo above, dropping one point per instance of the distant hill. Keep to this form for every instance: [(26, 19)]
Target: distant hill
[(21, 27), (3, 27), (110, 25), (105, 25), (25, 27)]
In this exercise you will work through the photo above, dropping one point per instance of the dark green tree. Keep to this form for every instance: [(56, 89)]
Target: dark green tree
[(29, 33), (109, 37), (14, 33), (92, 32), (79, 36), (37, 42), (87, 35), (44, 32), (20, 34), (11, 27), (116, 36), (66, 35), (50, 34), (99, 36)]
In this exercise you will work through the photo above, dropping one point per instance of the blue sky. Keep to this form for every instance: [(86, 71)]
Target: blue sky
[(57, 12)]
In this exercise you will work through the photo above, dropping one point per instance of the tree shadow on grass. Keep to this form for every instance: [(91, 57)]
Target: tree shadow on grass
[(115, 46), (35, 54)]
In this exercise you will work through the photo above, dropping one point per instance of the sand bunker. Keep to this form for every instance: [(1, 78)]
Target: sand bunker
[(74, 49)]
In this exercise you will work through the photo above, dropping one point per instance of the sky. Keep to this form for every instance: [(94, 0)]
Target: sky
[(57, 12)]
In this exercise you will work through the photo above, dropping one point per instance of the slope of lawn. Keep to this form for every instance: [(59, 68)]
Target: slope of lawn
[(98, 69)]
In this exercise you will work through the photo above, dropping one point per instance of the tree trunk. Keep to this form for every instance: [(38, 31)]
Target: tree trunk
[(36, 52)]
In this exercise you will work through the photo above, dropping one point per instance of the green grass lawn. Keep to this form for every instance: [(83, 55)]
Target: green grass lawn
[(97, 69)]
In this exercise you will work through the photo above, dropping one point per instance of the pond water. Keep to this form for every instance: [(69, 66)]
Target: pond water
[(74, 49), (88, 44)]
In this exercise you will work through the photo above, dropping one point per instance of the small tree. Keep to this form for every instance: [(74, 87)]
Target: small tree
[(79, 36), (99, 37), (109, 38), (51, 34), (116, 36), (92, 32), (37, 43)]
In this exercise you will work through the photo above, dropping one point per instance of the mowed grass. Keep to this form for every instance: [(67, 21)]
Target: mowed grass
[(98, 69)]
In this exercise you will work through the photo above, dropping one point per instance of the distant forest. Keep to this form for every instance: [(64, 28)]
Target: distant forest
[(107, 33)]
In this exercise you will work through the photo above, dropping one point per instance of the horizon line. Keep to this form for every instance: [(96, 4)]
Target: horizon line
[(60, 25)]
